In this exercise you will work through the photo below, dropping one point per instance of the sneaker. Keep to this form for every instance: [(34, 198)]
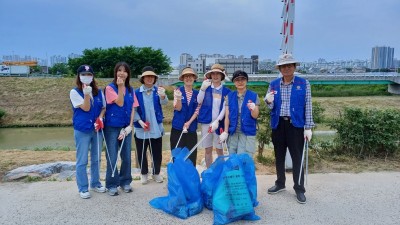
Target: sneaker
[(275, 189), (99, 189), (112, 191), (143, 178), (127, 188), (158, 178), (301, 198), (84, 194)]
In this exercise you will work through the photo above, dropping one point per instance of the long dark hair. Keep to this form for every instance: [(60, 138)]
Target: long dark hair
[(79, 84), (128, 70)]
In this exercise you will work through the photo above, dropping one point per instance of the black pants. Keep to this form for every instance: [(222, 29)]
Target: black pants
[(155, 148), (288, 136), (188, 140)]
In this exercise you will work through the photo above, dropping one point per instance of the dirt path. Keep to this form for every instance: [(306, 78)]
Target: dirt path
[(336, 198)]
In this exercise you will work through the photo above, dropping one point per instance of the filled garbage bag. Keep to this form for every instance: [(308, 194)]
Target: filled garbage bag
[(184, 196), (230, 189)]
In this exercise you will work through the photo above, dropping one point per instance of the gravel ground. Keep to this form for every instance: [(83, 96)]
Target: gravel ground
[(336, 198)]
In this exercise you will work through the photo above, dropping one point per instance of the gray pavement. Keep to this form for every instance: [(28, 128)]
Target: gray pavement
[(336, 198)]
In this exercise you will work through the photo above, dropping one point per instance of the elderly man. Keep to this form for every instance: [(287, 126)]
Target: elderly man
[(289, 98)]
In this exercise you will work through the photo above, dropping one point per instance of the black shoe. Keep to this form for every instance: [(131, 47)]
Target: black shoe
[(275, 189), (301, 198)]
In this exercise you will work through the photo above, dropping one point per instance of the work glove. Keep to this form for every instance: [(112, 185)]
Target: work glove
[(144, 125), (206, 83), (128, 130), (223, 137), (98, 124), (185, 127), (161, 91), (308, 134), (270, 97), (251, 105), (177, 94), (213, 126), (87, 90), (121, 134)]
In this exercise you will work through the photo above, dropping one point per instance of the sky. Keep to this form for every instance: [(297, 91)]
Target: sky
[(329, 29)]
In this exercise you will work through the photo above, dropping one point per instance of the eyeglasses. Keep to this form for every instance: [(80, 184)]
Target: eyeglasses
[(240, 79)]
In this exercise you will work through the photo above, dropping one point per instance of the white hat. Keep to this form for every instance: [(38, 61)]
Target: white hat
[(286, 59)]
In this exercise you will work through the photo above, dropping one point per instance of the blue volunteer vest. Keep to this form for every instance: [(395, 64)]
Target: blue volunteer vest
[(187, 111), (156, 104), (205, 113), (297, 102), (248, 124), (84, 121), (119, 116)]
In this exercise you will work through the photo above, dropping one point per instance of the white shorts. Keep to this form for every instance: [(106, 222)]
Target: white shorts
[(212, 140)]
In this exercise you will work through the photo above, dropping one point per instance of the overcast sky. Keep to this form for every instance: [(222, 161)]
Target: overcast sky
[(330, 29)]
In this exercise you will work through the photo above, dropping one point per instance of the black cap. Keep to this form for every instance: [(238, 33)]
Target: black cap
[(240, 73)]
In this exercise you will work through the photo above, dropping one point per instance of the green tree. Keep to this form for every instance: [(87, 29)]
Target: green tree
[(59, 69), (104, 60)]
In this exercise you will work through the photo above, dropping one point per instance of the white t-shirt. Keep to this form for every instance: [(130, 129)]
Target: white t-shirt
[(77, 100)]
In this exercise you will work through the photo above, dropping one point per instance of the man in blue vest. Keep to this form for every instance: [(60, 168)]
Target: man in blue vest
[(289, 98)]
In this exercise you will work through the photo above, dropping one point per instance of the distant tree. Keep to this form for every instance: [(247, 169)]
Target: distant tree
[(36, 69), (59, 69), (104, 60)]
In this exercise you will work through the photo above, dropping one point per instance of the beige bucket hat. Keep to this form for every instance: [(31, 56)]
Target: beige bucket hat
[(148, 71), (216, 68), (187, 70)]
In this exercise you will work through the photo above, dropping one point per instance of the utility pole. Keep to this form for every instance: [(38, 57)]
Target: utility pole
[(287, 33)]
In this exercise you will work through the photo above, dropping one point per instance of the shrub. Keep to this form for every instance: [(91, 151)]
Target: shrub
[(368, 132), (318, 112), (264, 129), (2, 113)]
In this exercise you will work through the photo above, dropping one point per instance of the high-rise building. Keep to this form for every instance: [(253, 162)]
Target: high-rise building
[(382, 57)]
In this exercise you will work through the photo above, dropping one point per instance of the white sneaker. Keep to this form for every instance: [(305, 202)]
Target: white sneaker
[(84, 195), (99, 189), (143, 178), (158, 178)]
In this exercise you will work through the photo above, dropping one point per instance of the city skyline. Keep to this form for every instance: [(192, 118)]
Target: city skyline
[(332, 30)]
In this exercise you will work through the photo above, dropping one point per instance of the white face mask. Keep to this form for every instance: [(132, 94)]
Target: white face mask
[(86, 79)]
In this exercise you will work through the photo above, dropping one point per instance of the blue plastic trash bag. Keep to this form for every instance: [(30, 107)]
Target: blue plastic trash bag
[(184, 196), (229, 187)]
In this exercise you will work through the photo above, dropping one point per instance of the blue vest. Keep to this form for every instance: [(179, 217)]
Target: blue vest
[(187, 111), (119, 116), (297, 102), (84, 121), (156, 104), (205, 113), (248, 124)]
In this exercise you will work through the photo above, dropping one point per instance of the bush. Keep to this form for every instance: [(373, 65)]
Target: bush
[(264, 128), (368, 132), (318, 112), (2, 113)]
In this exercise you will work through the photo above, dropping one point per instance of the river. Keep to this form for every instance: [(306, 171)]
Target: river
[(62, 138)]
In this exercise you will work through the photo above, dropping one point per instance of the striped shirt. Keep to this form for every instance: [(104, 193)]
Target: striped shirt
[(286, 91), (189, 94)]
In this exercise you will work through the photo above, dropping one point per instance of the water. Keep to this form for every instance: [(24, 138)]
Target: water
[(63, 138), (49, 137)]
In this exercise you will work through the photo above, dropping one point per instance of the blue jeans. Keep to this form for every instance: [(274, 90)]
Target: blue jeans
[(84, 142), (124, 177)]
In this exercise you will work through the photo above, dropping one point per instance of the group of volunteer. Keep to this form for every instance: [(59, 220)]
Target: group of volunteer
[(227, 120)]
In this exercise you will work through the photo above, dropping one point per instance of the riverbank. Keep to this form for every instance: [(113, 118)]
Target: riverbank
[(35, 102)]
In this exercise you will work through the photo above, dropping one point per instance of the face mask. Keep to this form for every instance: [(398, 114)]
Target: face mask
[(86, 79)]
